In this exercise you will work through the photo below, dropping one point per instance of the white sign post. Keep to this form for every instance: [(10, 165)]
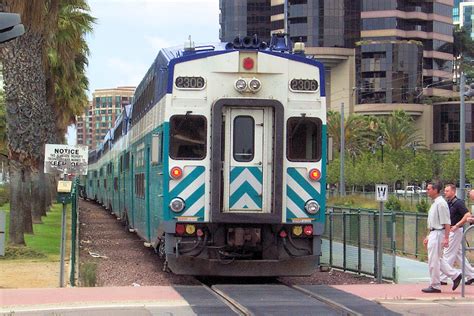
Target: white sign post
[(381, 192), (64, 160), (381, 195)]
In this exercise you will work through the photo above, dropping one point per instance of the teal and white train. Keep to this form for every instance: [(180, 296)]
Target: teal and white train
[(220, 162)]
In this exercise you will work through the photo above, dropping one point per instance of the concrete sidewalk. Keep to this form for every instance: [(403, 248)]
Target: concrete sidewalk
[(191, 300)]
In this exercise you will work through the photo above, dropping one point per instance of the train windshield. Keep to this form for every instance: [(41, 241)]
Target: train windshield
[(188, 137), (304, 139)]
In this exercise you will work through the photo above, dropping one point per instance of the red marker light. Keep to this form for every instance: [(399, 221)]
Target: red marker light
[(176, 173), (180, 229), (308, 230), (314, 174), (199, 232), (283, 233), (248, 63)]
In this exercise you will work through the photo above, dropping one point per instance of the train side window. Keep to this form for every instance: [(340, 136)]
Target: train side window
[(188, 137), (156, 149), (304, 139), (127, 160), (244, 135)]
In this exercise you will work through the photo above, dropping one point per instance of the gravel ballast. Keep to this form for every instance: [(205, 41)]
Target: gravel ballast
[(122, 259)]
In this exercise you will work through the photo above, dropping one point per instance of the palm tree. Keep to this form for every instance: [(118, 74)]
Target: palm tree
[(32, 113), (357, 132), (68, 59), (66, 83), (399, 130), (28, 116)]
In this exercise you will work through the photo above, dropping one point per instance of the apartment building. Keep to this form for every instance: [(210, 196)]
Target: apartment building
[(104, 108)]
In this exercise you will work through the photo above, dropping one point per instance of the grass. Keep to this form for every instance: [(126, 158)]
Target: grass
[(88, 274), (359, 201), (46, 240)]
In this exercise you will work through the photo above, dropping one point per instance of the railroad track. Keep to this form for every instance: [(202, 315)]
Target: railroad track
[(274, 298)]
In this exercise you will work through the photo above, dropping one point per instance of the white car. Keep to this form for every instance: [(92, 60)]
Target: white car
[(411, 190)]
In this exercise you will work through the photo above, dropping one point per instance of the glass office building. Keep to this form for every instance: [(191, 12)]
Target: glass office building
[(426, 22), (244, 17), (389, 72)]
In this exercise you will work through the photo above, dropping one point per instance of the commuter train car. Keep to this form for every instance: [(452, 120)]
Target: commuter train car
[(219, 164)]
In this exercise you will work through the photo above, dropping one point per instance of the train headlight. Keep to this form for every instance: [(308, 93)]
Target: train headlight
[(241, 85), (255, 85), (177, 205), (311, 207)]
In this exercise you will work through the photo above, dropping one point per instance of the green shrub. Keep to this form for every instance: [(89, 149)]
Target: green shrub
[(88, 274), (422, 206), (4, 194), (393, 203), (19, 252)]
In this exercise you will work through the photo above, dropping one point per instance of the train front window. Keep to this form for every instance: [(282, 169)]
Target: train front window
[(243, 148), (188, 137), (304, 139)]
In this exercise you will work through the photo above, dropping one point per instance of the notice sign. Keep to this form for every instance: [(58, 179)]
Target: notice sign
[(381, 192), (65, 159)]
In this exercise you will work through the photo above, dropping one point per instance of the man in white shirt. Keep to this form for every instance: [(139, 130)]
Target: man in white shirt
[(439, 224)]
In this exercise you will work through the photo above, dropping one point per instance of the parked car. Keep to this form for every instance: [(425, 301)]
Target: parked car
[(411, 190)]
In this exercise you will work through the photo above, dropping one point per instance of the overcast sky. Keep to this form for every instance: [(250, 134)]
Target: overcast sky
[(129, 34)]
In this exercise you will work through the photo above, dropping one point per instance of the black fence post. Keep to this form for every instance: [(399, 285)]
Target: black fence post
[(416, 235), (344, 240), (375, 243), (331, 217), (359, 243)]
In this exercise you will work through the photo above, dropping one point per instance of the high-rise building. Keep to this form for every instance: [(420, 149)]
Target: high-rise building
[(463, 15), (105, 106), (244, 17), (319, 23), (379, 55), (427, 22)]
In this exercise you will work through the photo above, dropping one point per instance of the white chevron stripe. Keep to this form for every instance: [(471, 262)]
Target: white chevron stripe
[(190, 189), (246, 175), (295, 186), (194, 209), (295, 209), (245, 200), (186, 171)]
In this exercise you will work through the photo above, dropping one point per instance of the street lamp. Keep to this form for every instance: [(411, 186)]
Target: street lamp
[(462, 130)]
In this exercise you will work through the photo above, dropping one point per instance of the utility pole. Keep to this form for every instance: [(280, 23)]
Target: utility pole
[(462, 137), (342, 185), (285, 12)]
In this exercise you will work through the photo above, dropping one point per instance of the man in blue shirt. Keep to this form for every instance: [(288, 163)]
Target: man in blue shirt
[(458, 215)]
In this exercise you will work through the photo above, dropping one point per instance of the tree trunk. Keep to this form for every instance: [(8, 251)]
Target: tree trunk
[(52, 189), (36, 205), (29, 119), (16, 211), (26, 199), (43, 189)]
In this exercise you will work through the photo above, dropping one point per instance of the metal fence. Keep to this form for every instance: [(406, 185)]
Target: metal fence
[(350, 239), (74, 232)]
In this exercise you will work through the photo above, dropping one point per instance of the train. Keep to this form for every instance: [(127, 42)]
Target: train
[(219, 163)]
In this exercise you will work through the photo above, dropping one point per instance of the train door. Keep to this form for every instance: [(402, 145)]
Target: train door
[(247, 159)]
